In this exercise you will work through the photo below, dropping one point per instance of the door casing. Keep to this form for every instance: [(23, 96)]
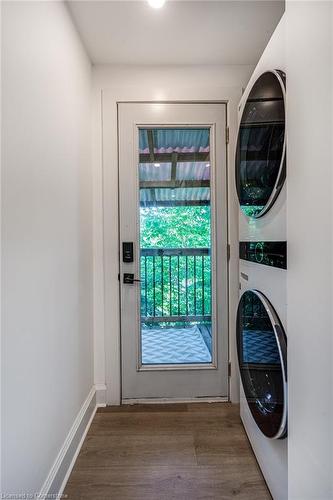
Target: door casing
[(107, 337)]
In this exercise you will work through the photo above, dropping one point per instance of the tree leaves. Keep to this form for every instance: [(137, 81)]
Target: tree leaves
[(183, 289), (175, 227)]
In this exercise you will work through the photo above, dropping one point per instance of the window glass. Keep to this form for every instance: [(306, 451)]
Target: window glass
[(260, 146), (177, 324), (260, 363)]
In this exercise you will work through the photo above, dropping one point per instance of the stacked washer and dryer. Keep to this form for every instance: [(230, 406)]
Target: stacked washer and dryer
[(261, 318)]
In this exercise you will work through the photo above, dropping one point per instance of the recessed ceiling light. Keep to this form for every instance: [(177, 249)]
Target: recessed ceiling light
[(156, 4)]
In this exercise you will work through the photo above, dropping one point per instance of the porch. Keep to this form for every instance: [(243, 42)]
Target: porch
[(176, 306)]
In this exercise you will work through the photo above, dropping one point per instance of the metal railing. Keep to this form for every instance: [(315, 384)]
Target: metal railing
[(175, 285)]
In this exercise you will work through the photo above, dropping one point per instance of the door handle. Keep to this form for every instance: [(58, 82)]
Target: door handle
[(129, 279)]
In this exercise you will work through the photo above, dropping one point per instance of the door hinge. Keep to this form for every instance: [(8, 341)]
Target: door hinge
[(227, 135), (228, 251), (118, 277), (229, 369)]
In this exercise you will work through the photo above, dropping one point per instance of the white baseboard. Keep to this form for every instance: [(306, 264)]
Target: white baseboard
[(58, 476), (100, 394)]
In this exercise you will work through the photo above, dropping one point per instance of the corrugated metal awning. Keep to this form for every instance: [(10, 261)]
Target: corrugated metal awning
[(174, 167), (168, 140)]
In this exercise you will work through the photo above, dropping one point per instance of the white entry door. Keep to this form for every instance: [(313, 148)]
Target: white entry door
[(173, 250)]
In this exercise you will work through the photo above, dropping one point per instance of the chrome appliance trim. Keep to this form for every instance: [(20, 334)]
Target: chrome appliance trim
[(281, 77), (282, 347)]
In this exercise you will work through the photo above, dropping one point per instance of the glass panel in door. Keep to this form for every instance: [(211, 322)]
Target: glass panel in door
[(175, 246)]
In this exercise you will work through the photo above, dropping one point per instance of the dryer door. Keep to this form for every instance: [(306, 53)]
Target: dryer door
[(261, 147), (262, 357)]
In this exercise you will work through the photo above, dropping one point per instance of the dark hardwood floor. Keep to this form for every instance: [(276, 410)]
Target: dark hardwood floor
[(167, 452)]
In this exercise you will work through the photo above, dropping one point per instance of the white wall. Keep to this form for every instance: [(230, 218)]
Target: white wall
[(131, 83), (310, 252), (47, 360)]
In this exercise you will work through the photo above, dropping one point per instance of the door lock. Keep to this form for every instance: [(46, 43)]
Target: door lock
[(129, 279), (128, 251)]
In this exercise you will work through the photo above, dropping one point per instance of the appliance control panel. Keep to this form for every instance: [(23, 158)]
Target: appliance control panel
[(267, 253)]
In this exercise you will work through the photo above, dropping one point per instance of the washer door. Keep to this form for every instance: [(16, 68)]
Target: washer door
[(261, 148), (262, 357)]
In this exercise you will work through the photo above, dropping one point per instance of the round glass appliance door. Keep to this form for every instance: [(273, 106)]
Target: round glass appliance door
[(261, 148), (262, 358)]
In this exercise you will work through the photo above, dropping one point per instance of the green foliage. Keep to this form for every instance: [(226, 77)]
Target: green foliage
[(175, 227), (165, 280), (168, 297)]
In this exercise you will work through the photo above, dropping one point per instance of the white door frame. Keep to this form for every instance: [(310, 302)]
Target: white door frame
[(110, 344)]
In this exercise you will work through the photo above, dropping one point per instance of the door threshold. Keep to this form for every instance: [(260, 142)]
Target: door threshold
[(142, 401)]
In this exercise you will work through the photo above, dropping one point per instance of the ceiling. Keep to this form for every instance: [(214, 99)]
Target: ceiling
[(182, 32)]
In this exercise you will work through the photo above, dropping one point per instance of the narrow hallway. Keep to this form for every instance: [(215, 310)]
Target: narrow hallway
[(166, 250), (178, 451)]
